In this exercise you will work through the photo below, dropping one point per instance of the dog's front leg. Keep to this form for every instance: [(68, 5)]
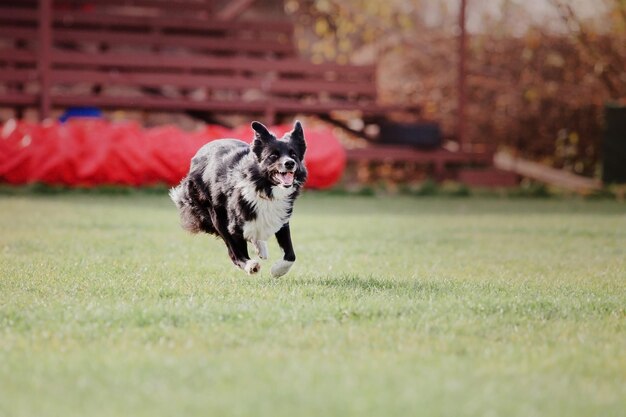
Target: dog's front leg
[(283, 236)]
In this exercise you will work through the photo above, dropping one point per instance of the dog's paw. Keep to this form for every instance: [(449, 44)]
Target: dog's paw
[(261, 249), (252, 267), (281, 267)]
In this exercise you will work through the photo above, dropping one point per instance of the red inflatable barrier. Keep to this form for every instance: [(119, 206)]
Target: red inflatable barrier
[(96, 152)]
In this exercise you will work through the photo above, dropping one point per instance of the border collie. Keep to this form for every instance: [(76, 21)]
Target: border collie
[(245, 193)]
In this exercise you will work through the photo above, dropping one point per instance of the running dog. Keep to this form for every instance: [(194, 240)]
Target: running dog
[(245, 193)]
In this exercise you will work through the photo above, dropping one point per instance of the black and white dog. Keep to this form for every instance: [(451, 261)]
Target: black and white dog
[(245, 193)]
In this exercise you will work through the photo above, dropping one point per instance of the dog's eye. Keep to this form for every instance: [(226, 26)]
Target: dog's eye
[(293, 154), (273, 157)]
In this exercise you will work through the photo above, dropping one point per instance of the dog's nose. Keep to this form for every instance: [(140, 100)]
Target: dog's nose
[(290, 164)]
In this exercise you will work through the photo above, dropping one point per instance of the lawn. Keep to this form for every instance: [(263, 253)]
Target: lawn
[(395, 307)]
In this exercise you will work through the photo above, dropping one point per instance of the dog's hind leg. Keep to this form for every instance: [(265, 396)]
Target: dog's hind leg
[(238, 252), (236, 244), (280, 268), (261, 249)]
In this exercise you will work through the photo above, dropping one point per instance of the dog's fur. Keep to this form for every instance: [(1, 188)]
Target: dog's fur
[(245, 193)]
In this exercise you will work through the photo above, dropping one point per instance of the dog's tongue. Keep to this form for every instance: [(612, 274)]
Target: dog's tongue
[(286, 178)]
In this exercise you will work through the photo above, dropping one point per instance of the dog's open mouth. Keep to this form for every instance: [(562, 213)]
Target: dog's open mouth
[(284, 178)]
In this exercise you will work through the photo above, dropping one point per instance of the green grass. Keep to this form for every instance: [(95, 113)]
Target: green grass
[(395, 307)]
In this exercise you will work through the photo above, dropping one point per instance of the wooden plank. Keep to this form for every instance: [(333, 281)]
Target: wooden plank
[(278, 28), (18, 99), (367, 108), (282, 106), (155, 80), (414, 155), (18, 32), (258, 107), (287, 66), (314, 86), (44, 47), (269, 26), (160, 103), (23, 3), (487, 177), (13, 15), (19, 75), (548, 175), (14, 55), (462, 76), (192, 6), (237, 83), (254, 37), (179, 41)]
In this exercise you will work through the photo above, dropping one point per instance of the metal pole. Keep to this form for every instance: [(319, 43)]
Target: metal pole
[(43, 62), (461, 134)]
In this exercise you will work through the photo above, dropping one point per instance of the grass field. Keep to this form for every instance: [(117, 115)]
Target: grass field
[(395, 307)]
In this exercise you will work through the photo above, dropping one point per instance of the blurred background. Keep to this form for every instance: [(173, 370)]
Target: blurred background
[(394, 93)]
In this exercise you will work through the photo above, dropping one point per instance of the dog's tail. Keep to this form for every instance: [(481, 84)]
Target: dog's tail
[(177, 194), (188, 219)]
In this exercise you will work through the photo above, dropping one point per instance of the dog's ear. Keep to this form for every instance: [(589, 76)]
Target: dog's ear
[(262, 136), (260, 132), (297, 138)]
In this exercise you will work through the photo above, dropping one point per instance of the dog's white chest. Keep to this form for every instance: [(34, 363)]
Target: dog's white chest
[(271, 215)]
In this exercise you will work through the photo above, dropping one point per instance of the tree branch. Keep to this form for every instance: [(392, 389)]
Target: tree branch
[(575, 26)]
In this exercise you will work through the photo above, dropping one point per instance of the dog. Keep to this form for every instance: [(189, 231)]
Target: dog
[(245, 193)]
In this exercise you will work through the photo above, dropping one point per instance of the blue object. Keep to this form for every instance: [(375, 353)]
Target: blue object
[(80, 112)]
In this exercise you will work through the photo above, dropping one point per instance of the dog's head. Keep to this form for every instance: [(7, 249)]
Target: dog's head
[(281, 161)]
